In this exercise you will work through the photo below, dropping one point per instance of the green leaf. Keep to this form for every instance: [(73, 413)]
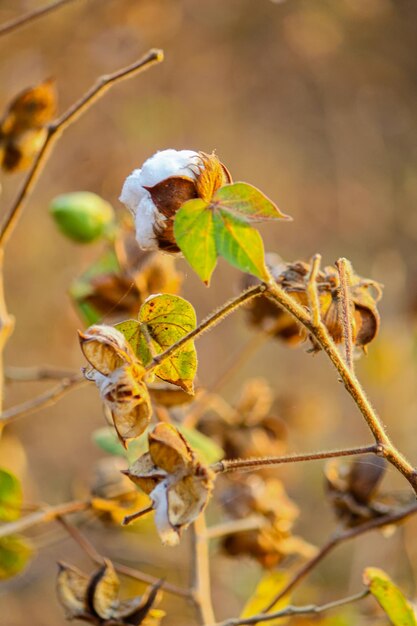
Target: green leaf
[(10, 496), (247, 202), (267, 588), (240, 244), (194, 234), (15, 552), (207, 448), (389, 597), (106, 438), (163, 320), (82, 216)]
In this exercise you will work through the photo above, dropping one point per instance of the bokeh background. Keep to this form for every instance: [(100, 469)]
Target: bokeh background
[(313, 102)]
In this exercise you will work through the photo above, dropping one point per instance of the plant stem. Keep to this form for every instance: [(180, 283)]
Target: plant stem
[(343, 267), (6, 329), (16, 23), (96, 557), (37, 373), (47, 514), (207, 324), (336, 540), (289, 611), (239, 465), (200, 572), (351, 383), (43, 400)]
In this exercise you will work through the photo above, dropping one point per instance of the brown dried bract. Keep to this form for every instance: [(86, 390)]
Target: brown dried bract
[(364, 295), (22, 129), (95, 598), (251, 429), (177, 482), (273, 540), (352, 489)]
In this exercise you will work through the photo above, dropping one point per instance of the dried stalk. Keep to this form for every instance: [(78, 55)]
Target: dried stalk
[(291, 611), (200, 572), (23, 20), (337, 540), (43, 400)]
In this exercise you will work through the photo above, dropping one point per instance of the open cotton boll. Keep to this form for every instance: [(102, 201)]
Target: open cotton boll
[(150, 222), (154, 193)]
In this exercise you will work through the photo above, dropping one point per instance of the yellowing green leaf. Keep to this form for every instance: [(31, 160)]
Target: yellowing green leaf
[(10, 496), (389, 597), (15, 552), (194, 234), (240, 244), (247, 202), (208, 450), (163, 320), (266, 590)]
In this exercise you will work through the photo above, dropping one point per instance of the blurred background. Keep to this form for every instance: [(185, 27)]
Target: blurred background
[(314, 103)]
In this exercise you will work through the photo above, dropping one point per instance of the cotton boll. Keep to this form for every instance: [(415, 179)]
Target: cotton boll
[(168, 163)]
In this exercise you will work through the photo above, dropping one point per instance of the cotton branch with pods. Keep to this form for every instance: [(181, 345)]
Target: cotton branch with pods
[(203, 192)]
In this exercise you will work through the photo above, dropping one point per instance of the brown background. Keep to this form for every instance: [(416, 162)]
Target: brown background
[(315, 103)]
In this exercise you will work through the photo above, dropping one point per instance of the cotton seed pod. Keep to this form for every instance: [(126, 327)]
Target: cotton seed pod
[(82, 216), (363, 295), (352, 489), (105, 348), (177, 483), (165, 182), (95, 598), (22, 129), (127, 397)]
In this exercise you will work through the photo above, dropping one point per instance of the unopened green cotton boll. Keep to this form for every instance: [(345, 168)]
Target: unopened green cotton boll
[(82, 216)]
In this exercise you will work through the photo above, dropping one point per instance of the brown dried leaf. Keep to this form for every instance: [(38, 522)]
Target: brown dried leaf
[(145, 474), (105, 348), (188, 497), (212, 175), (71, 588), (103, 591), (168, 448), (127, 397)]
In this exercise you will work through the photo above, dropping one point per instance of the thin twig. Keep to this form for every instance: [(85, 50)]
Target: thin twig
[(47, 514), (343, 267), (130, 572), (134, 516), (289, 611), (336, 540), (27, 18), (200, 572), (37, 373), (207, 324), (234, 465), (43, 400), (385, 447), (311, 289), (56, 129)]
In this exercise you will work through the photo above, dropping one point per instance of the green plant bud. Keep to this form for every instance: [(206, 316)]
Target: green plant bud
[(82, 216)]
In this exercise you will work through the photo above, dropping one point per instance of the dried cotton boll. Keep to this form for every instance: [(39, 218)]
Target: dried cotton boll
[(154, 193)]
